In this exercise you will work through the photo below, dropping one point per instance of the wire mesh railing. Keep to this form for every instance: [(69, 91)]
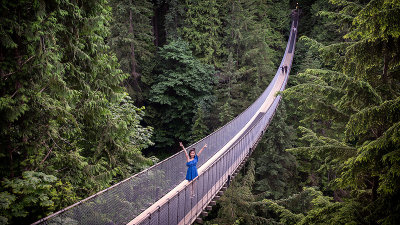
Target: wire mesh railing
[(125, 200)]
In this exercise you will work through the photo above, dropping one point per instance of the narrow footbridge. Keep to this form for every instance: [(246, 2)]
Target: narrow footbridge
[(160, 194)]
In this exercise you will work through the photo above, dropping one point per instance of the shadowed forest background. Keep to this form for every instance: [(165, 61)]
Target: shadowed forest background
[(95, 91)]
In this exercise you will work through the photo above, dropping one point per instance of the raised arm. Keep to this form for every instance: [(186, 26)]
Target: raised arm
[(201, 150), (184, 150)]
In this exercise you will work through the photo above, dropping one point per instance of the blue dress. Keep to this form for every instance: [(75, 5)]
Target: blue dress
[(192, 170)]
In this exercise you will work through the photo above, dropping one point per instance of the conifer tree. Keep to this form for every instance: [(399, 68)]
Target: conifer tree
[(352, 111), (236, 202), (201, 29), (68, 129), (132, 41), (276, 168), (247, 28), (228, 88), (199, 128), (182, 84), (174, 18)]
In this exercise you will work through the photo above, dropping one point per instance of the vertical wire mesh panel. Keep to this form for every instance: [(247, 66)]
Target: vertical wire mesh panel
[(154, 218), (181, 206), (164, 214), (188, 200), (173, 210), (200, 188)]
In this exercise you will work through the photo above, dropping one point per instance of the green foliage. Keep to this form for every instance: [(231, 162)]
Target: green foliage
[(183, 85), (310, 206), (201, 29), (276, 169), (64, 112), (174, 18), (251, 43), (228, 90), (236, 201), (199, 128), (132, 41), (349, 124), (32, 195)]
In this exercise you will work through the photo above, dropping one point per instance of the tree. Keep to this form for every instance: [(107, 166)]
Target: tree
[(132, 40), (276, 168), (354, 126), (174, 18), (236, 202), (68, 128), (201, 29), (183, 83), (246, 38), (199, 128)]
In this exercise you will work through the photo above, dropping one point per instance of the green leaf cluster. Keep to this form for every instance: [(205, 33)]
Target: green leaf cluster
[(183, 85)]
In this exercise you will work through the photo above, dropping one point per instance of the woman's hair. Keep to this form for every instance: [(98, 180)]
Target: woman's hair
[(192, 150)]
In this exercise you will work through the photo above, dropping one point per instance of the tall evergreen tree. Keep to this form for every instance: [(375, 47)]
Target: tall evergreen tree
[(132, 41), (199, 128), (183, 84), (235, 204), (174, 18), (353, 111), (68, 129), (247, 29), (201, 29), (276, 168)]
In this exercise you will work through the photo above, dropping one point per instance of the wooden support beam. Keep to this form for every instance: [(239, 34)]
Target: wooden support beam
[(224, 188), (209, 208), (213, 203), (199, 220), (216, 198), (204, 213), (220, 193)]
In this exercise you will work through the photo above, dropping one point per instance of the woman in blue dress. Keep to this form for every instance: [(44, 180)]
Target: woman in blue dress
[(192, 159)]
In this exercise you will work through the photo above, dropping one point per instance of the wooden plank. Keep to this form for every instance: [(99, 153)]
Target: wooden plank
[(199, 220)]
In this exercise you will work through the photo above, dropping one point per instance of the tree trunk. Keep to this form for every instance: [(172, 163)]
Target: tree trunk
[(134, 74), (155, 27)]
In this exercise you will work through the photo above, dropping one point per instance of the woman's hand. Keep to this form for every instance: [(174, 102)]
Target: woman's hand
[(180, 144), (201, 150)]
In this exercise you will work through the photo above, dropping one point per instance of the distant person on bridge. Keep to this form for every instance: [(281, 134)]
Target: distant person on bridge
[(192, 159)]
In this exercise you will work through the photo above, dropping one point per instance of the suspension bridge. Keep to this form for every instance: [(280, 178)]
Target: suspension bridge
[(160, 194)]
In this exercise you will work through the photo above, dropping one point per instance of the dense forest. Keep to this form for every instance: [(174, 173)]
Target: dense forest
[(94, 91)]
